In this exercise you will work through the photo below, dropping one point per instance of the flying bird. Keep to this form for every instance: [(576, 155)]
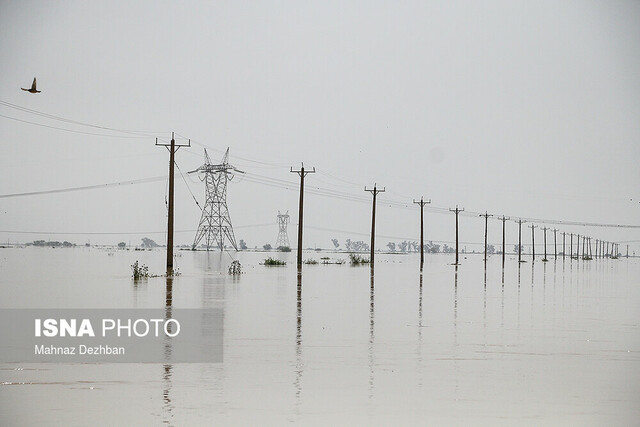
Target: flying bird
[(33, 87)]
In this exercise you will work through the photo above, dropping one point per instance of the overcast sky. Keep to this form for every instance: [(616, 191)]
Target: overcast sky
[(526, 109)]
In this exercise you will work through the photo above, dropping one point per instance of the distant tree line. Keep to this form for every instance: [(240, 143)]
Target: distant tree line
[(51, 243)]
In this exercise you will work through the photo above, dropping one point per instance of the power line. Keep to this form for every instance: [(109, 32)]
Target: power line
[(63, 119), (89, 233), (71, 130), (87, 187)]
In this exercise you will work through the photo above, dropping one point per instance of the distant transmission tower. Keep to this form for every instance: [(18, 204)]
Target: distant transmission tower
[(215, 222), (283, 237)]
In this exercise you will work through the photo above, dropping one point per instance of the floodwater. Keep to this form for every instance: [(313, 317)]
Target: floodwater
[(555, 343)]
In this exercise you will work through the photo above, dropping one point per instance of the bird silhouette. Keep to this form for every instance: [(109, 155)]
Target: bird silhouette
[(33, 87)]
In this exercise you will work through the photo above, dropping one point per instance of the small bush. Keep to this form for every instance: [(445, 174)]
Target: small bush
[(310, 261), (271, 261), (284, 248), (357, 259), (235, 268), (140, 271)]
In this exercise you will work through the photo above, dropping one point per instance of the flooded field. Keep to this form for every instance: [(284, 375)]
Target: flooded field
[(555, 343)]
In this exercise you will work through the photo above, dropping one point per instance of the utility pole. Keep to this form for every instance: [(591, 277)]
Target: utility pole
[(457, 211), (545, 243), (504, 219), (533, 242), (172, 147), (563, 237), (302, 173), (555, 244), (520, 221), (486, 221), (578, 248), (571, 247), (375, 192), (422, 202)]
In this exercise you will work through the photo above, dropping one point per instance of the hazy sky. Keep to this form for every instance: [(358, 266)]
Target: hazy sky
[(520, 108)]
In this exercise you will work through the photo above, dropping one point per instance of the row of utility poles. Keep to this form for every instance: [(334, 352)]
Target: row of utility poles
[(602, 248)]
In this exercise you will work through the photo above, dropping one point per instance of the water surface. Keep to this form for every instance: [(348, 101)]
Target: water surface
[(554, 343)]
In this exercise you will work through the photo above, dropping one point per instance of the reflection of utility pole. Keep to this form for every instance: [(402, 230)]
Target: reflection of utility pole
[(503, 234), (457, 211), (375, 192), (520, 221), (302, 173), (422, 202), (533, 242), (486, 221), (172, 147)]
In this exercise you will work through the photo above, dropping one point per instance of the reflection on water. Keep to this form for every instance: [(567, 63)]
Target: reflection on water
[(371, 332), (473, 360), (168, 349), (299, 361)]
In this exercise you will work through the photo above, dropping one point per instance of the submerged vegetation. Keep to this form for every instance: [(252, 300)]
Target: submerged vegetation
[(271, 261), (357, 259), (310, 261), (235, 268), (140, 271)]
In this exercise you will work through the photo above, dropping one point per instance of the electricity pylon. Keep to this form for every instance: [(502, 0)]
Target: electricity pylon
[(283, 237), (215, 222)]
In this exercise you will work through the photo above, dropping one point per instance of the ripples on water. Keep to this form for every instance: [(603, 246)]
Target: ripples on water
[(535, 343)]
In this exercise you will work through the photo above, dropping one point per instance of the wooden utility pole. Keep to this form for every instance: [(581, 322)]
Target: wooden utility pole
[(545, 243), (172, 147), (302, 173), (571, 247), (563, 237), (486, 223), (457, 211), (422, 202), (520, 221), (533, 242), (504, 219), (375, 192), (555, 244)]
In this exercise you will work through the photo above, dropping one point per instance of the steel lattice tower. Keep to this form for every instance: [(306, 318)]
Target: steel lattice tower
[(283, 237), (215, 222)]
